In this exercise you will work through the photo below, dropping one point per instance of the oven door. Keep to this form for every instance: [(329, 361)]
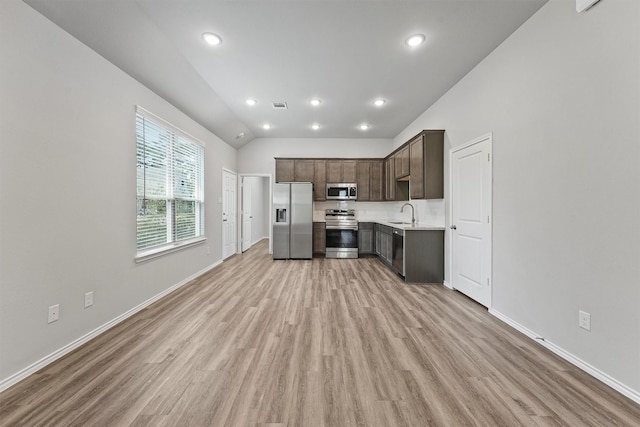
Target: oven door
[(341, 243)]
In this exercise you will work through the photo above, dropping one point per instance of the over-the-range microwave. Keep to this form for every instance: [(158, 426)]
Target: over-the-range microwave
[(342, 191)]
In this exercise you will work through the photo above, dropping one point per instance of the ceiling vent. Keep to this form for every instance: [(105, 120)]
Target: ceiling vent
[(280, 105)]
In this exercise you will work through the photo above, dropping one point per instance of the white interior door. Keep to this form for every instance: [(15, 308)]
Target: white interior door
[(229, 241), (471, 219), (247, 216)]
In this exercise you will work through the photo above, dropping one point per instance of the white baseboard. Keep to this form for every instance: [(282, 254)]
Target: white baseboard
[(576, 361), (447, 285), (259, 239), (24, 373)]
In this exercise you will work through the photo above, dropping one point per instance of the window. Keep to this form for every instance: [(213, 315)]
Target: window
[(170, 197)]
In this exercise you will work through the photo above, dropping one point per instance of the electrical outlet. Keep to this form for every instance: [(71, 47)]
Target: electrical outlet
[(54, 313), (584, 320), (208, 250), (88, 299)]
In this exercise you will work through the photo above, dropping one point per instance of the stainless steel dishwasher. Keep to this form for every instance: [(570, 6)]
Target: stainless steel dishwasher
[(398, 251)]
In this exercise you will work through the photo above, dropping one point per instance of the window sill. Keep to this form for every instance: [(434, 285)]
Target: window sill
[(167, 249)]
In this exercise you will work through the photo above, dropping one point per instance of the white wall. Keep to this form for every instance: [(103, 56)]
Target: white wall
[(562, 98), (67, 190), (258, 155)]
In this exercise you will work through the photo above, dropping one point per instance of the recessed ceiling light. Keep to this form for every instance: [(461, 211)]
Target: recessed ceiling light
[(266, 126), (212, 39), (315, 102), (415, 40), (315, 126), (364, 126), (379, 102), (251, 102)]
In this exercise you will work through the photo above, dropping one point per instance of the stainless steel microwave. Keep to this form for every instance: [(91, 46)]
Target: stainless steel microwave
[(342, 191)]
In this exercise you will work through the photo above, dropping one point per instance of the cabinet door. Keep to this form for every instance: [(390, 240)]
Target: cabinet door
[(402, 162), (284, 170), (334, 170), (365, 242), (378, 239), (397, 162), (319, 180), (390, 181), (404, 157), (362, 179), (376, 180), (434, 165), (349, 170), (387, 246), (303, 170), (416, 166), (319, 238)]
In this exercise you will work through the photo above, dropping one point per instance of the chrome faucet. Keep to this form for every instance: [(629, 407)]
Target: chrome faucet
[(413, 218)]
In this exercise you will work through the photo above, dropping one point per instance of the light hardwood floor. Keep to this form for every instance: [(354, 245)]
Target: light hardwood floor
[(312, 343)]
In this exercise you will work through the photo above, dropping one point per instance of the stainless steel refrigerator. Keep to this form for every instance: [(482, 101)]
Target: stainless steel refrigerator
[(293, 220)]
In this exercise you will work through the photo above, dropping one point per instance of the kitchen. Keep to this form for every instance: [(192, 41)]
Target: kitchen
[(414, 171)]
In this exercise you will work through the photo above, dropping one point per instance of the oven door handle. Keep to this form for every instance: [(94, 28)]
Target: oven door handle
[(342, 227)]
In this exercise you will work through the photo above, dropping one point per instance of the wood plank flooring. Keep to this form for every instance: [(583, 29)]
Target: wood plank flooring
[(257, 342)]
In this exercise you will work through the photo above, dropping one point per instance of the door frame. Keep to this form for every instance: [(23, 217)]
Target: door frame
[(270, 207), (225, 170), (489, 261), (245, 200)]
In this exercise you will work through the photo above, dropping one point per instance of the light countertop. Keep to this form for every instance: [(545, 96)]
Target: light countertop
[(407, 226)]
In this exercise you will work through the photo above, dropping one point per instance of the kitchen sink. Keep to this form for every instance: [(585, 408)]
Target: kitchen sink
[(399, 222)]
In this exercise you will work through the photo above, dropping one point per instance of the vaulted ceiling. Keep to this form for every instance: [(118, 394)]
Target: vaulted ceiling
[(345, 53)]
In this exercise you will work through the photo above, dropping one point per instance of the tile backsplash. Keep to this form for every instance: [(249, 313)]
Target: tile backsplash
[(431, 212)]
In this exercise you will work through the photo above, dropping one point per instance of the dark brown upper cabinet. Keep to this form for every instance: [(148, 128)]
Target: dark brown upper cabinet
[(376, 180), (340, 170), (402, 162), (362, 179), (284, 170), (426, 164), (416, 161), (414, 170), (304, 170), (390, 178), (319, 180), (349, 170), (369, 177)]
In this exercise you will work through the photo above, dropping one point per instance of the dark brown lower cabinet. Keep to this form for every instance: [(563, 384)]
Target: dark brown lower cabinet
[(366, 239), (422, 253), (424, 256), (319, 238)]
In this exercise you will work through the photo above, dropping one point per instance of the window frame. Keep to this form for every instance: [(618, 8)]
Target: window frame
[(176, 137)]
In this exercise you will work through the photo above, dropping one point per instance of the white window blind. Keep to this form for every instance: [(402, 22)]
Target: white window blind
[(170, 196)]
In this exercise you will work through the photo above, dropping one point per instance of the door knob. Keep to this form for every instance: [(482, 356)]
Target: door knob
[(453, 227)]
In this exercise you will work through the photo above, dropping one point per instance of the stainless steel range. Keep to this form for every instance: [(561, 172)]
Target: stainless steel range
[(341, 234)]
